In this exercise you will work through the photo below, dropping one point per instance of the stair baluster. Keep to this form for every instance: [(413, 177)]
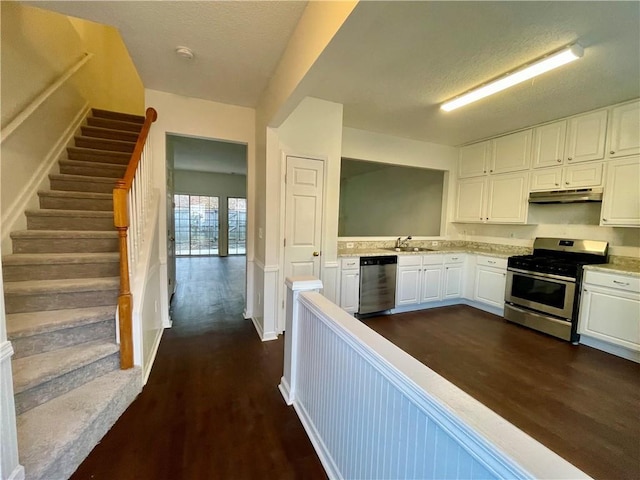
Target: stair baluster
[(131, 196)]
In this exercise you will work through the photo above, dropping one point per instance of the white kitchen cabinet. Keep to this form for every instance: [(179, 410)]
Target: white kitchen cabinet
[(624, 134), (454, 275), (621, 199), (490, 282), (431, 283), (408, 285), (474, 160), (508, 198), (350, 284), (610, 310), (548, 144), (493, 199), (511, 153), (471, 200), (586, 137), (419, 279), (573, 176)]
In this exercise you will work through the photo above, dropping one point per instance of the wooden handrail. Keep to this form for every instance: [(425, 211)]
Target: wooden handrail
[(121, 222)]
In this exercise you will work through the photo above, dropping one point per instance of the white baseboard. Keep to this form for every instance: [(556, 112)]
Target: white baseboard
[(265, 337), (321, 449), (616, 350), (152, 358), (17, 474), (285, 390), (21, 202)]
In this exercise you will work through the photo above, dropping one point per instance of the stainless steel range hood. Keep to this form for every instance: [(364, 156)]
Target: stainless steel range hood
[(567, 196)]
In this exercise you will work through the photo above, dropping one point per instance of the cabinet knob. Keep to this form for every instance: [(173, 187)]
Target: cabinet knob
[(604, 219), (557, 184), (612, 152), (490, 171), (484, 171), (570, 158), (567, 183), (559, 160)]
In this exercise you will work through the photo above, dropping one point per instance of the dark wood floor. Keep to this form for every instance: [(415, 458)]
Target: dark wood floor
[(582, 403), (211, 408)]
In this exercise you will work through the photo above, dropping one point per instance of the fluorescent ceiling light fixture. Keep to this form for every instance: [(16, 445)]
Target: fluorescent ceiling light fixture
[(534, 69)]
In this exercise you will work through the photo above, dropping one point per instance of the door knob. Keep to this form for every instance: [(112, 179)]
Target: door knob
[(315, 254)]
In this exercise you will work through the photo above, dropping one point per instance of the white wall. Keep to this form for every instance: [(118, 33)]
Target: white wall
[(179, 115), (221, 185)]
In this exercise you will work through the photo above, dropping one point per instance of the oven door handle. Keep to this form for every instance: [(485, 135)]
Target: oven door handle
[(542, 275)]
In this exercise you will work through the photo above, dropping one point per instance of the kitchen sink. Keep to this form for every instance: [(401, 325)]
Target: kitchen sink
[(411, 249)]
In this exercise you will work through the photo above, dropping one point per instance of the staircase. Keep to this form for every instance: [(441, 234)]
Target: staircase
[(61, 287)]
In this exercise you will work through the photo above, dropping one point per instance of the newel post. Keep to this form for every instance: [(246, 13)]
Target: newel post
[(295, 285), (121, 222)]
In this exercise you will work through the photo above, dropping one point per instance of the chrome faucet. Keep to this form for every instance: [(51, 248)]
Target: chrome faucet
[(402, 243)]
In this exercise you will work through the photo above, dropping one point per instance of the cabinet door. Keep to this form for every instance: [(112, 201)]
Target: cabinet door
[(350, 290), (511, 153), (611, 315), (548, 144), (408, 285), (474, 159), (621, 199), (471, 199), (586, 135), (490, 285), (453, 275), (583, 175), (547, 179), (508, 198), (624, 138), (431, 283)]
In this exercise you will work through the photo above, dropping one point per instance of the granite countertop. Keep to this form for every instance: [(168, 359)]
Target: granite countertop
[(629, 266), (493, 250)]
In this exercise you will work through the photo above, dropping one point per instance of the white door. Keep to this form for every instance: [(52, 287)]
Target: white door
[(303, 216)]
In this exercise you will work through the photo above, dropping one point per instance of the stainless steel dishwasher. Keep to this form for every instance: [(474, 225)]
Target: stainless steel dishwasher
[(377, 284)]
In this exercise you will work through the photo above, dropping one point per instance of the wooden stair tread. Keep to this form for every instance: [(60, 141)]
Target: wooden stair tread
[(33, 323), (34, 370)]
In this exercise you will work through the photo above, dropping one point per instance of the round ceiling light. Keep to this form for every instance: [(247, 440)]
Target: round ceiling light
[(184, 52)]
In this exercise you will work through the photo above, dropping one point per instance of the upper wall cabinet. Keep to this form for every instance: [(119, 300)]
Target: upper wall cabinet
[(474, 160), (511, 153), (586, 136), (621, 201), (624, 137), (548, 144)]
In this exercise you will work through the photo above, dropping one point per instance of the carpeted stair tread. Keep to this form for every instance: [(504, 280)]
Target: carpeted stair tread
[(64, 241), (98, 153), (62, 234), (127, 117), (61, 286), (59, 258), (104, 144), (55, 437), (82, 178), (114, 124), (108, 133), (21, 325), (29, 372), (92, 169), (78, 195)]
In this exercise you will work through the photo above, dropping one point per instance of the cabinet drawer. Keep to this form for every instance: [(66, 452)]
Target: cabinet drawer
[(432, 259), (620, 282), (350, 263), (409, 260), (454, 258), (491, 261)]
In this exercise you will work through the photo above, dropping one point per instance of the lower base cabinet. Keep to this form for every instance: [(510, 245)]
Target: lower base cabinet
[(610, 309), (350, 285), (490, 281)]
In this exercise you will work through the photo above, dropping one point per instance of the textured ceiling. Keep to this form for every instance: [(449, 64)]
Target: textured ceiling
[(393, 62), (237, 44), (208, 155)]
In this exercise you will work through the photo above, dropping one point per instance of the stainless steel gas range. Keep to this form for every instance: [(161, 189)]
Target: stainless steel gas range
[(543, 289)]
